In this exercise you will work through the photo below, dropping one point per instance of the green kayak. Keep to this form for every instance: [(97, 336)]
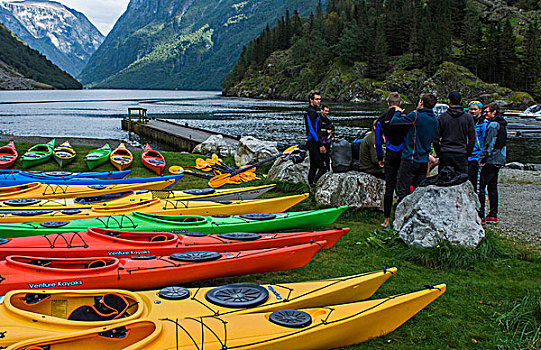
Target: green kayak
[(188, 224), (97, 157), (38, 154)]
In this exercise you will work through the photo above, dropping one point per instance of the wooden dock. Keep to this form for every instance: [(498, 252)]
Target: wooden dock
[(169, 135)]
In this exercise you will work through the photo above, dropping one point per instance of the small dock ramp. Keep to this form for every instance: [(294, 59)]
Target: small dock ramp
[(167, 134)]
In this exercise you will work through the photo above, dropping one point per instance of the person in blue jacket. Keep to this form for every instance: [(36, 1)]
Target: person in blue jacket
[(417, 143), (314, 139), (475, 108)]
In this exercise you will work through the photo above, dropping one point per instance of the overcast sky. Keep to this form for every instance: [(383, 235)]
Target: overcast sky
[(102, 13)]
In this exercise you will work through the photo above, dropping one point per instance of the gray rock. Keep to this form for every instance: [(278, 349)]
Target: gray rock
[(251, 150), (215, 144), (287, 171), (355, 189), (515, 165), (434, 214)]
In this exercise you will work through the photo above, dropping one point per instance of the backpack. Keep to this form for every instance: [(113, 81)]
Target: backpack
[(341, 156)]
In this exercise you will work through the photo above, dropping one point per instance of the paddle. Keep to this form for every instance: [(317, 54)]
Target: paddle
[(176, 169), (220, 180)]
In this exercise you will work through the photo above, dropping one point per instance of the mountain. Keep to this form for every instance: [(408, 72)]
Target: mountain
[(362, 50), (62, 34), (22, 68), (181, 44)]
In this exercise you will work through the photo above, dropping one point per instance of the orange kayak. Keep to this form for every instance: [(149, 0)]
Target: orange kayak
[(103, 242), (8, 155), (146, 271), (153, 160)]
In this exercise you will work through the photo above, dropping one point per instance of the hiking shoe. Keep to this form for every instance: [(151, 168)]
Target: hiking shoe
[(490, 220)]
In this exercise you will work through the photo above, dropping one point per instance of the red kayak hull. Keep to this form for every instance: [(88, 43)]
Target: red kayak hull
[(8, 155), (103, 242), (153, 160), (26, 272)]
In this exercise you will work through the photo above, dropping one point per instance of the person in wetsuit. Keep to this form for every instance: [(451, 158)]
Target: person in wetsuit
[(314, 140), (393, 138), (327, 133)]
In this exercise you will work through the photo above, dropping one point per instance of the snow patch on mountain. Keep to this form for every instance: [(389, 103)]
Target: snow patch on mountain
[(62, 34)]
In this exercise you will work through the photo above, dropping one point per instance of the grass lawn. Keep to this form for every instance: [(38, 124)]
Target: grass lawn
[(492, 302)]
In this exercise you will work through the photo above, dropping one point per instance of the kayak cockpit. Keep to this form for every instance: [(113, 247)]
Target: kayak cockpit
[(58, 265), (132, 335), (75, 306), (175, 219), (148, 238)]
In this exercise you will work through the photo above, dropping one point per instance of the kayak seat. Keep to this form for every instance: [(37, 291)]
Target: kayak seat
[(5, 158), (190, 219), (109, 307), (158, 238), (95, 264), (64, 154), (155, 161), (58, 173), (33, 155), (54, 224)]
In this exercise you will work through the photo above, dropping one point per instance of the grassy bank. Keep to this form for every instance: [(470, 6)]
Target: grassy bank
[(493, 298)]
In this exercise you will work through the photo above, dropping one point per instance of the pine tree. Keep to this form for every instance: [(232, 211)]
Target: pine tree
[(508, 57), (530, 64), (347, 45)]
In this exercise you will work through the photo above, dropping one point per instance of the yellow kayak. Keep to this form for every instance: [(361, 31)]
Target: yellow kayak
[(64, 154), (121, 157), (156, 206), (327, 327), (37, 313), (45, 191), (127, 197)]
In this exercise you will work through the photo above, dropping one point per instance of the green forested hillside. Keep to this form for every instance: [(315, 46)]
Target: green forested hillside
[(361, 49), (31, 64)]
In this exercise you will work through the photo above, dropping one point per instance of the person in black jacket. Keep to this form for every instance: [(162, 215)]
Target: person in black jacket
[(393, 138), (456, 136), (327, 133), (314, 140)]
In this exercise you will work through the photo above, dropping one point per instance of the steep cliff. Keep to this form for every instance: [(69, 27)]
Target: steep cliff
[(62, 34), (181, 44)]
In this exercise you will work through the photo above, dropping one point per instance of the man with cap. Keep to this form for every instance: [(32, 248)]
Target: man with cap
[(475, 108), (455, 138)]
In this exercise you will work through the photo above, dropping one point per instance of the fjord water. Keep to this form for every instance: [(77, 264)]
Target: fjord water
[(97, 113)]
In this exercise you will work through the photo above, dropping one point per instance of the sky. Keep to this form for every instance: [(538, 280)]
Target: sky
[(102, 13)]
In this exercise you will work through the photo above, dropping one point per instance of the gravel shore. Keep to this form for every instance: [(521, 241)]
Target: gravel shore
[(519, 206)]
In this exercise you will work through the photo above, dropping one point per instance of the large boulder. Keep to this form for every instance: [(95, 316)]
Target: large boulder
[(215, 144), (355, 189), (287, 171), (251, 150), (432, 214)]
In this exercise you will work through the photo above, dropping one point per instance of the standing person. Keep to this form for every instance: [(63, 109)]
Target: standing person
[(327, 134), (476, 108), (314, 143), (393, 138), (491, 160), (417, 143), (455, 139), (368, 159)]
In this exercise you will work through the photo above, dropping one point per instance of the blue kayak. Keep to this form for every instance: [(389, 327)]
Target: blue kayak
[(15, 178), (66, 174)]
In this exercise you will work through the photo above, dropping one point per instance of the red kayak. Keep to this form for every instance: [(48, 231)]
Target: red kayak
[(146, 271), (153, 160), (8, 155), (104, 242)]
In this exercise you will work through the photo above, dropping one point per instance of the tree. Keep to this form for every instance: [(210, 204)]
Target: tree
[(508, 57), (347, 46), (530, 63)]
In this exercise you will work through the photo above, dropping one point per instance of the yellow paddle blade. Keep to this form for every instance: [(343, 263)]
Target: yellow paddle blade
[(219, 180), (176, 169), (202, 164), (215, 158)]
